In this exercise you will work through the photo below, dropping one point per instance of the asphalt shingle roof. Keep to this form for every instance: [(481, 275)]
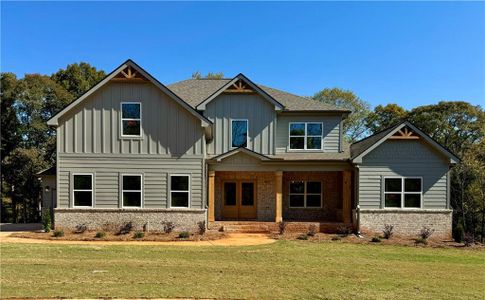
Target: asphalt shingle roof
[(195, 91), (359, 147)]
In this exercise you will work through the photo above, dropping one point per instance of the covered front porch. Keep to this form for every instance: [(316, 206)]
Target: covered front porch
[(253, 201)]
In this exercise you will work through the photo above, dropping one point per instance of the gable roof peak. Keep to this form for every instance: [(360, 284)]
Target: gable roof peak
[(361, 148), (54, 120)]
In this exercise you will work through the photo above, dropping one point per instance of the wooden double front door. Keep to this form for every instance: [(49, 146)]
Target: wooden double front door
[(239, 200)]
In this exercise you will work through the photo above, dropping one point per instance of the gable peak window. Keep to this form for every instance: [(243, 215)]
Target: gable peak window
[(131, 119), (306, 136), (83, 190), (239, 133), (403, 192)]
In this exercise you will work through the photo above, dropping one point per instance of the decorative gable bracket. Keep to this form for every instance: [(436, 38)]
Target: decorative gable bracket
[(404, 133)]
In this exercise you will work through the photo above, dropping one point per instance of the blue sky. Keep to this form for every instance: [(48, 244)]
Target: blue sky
[(407, 53)]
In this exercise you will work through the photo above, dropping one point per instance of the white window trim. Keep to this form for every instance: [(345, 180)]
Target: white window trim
[(76, 190), (305, 136), (247, 133), (130, 119), (403, 192), (180, 191), (123, 190), (305, 194)]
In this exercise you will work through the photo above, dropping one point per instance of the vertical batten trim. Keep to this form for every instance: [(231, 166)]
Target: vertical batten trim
[(84, 130)]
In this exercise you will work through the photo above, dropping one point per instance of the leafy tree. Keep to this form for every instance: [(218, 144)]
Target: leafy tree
[(38, 99), (385, 116), (10, 136), (456, 125), (354, 125), (19, 170), (78, 78), (210, 75)]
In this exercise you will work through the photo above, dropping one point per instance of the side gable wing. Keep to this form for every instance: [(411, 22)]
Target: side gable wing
[(241, 84), (138, 74), (403, 130)]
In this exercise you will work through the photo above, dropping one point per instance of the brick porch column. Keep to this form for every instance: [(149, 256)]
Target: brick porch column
[(278, 196), (346, 192), (211, 193)]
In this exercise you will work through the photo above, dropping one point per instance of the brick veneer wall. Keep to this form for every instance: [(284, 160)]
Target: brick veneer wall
[(407, 222), (331, 210), (100, 219)]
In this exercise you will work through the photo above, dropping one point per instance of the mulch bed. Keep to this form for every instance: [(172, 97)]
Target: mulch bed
[(110, 236), (367, 239)]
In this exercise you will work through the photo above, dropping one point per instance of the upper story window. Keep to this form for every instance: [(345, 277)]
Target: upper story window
[(239, 133), (306, 136), (83, 190), (403, 192), (131, 119)]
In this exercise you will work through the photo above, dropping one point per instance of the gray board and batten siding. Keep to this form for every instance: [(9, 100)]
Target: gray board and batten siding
[(90, 141)]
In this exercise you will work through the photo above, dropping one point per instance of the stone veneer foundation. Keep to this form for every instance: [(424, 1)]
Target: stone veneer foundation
[(406, 222), (112, 219)]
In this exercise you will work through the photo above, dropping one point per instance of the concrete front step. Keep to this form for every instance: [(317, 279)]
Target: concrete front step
[(268, 227)]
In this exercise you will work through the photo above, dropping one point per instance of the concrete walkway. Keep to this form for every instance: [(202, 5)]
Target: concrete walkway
[(232, 239), (20, 227)]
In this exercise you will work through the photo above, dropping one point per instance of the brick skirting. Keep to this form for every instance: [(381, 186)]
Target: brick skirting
[(111, 219), (406, 222)]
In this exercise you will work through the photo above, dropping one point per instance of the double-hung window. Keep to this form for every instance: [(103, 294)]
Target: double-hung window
[(130, 119), (83, 190), (239, 133), (306, 136), (131, 189), (179, 190), (305, 194), (403, 192)]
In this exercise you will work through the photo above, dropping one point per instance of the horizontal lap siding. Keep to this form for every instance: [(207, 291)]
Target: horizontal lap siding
[(331, 130), (403, 158), (107, 172)]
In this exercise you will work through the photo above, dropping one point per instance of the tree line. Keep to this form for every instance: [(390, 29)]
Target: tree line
[(28, 144)]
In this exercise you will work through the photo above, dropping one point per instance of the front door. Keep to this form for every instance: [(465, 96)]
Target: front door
[(239, 200)]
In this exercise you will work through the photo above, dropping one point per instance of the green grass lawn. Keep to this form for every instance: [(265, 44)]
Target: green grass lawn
[(284, 270)]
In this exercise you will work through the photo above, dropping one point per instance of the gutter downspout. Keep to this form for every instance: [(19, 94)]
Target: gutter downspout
[(356, 179)]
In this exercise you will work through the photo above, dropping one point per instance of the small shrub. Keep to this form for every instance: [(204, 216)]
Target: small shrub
[(282, 227), (168, 227), (336, 238), (312, 230), (201, 227), (420, 240), (376, 239), (303, 237), (58, 233), (184, 235), (46, 221), (126, 228), (458, 233), (344, 230), (387, 232), (100, 234), (469, 239), (425, 233), (138, 235), (81, 228)]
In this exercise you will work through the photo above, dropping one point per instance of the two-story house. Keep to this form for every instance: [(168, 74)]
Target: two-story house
[(222, 150)]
